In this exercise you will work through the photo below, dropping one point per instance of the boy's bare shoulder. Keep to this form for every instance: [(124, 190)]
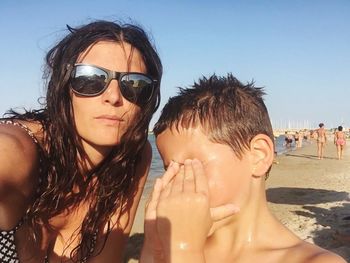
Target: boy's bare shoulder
[(324, 256), (310, 253), (327, 257)]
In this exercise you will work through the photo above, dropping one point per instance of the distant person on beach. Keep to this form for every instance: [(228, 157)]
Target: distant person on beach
[(288, 140), (307, 135), (321, 140), (72, 173), (301, 138), (210, 205), (296, 139), (340, 141)]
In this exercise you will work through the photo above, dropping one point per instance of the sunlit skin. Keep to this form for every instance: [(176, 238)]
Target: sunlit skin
[(321, 141), (229, 178), (180, 201), (102, 120)]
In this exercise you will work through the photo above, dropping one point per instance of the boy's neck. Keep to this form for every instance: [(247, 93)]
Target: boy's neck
[(250, 230), (241, 229)]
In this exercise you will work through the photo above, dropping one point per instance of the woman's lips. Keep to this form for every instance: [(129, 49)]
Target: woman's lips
[(109, 119)]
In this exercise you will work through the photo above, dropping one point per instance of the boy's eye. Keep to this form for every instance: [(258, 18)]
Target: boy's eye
[(166, 166)]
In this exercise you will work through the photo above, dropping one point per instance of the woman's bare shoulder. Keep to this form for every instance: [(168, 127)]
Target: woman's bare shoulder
[(19, 154), (122, 224)]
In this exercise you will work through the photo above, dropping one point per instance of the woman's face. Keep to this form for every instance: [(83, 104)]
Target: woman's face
[(102, 120)]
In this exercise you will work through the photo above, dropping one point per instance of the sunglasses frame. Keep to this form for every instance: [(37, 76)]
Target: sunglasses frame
[(110, 76)]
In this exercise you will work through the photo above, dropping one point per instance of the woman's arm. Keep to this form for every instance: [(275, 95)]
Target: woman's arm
[(18, 174)]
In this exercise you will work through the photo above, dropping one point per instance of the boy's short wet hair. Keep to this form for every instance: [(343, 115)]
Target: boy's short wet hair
[(228, 111)]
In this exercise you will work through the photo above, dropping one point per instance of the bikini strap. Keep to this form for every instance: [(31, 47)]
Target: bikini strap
[(23, 126)]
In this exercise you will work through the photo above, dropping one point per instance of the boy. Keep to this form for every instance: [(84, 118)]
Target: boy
[(216, 142)]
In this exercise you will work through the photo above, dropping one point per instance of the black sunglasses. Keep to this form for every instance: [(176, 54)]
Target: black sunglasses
[(89, 80)]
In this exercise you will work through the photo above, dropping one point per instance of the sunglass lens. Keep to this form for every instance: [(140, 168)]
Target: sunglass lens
[(88, 80), (136, 88)]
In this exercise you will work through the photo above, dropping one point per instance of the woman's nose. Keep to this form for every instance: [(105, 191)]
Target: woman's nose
[(112, 94)]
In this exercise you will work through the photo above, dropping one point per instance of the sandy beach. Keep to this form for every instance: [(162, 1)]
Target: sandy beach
[(310, 196)]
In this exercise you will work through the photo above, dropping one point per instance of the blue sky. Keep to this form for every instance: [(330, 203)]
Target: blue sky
[(298, 50)]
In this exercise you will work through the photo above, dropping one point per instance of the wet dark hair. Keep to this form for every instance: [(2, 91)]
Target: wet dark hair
[(116, 179), (340, 128), (228, 111), (321, 125)]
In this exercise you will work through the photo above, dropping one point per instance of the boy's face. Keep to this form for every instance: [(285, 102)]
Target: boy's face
[(228, 177)]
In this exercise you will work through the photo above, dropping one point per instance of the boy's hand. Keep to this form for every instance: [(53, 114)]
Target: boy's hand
[(184, 217), (153, 250)]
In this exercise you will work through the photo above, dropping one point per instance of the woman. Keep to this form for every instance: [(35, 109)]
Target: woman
[(340, 141), (296, 139), (321, 140), (73, 172)]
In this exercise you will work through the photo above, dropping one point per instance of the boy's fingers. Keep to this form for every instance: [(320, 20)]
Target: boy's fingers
[(220, 212), (200, 179), (170, 173), (189, 183), (177, 183), (167, 179)]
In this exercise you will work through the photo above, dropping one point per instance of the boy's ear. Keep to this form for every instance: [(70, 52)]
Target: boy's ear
[(262, 153)]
